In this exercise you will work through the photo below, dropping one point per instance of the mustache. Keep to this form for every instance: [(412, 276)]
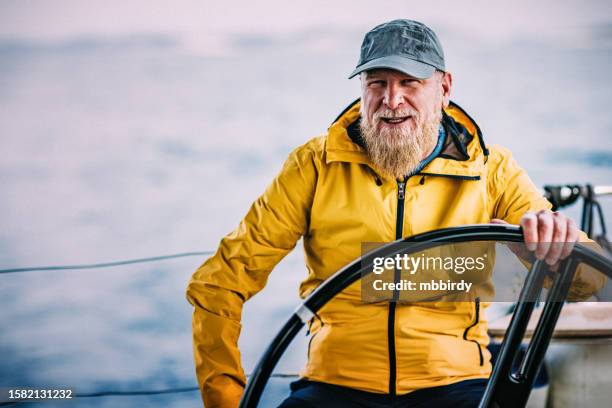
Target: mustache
[(397, 113)]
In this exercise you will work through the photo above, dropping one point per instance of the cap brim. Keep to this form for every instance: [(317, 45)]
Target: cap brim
[(406, 65)]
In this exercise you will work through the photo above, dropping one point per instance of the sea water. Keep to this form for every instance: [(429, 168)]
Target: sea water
[(133, 146)]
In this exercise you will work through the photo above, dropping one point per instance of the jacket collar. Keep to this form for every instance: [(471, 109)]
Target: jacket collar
[(463, 155)]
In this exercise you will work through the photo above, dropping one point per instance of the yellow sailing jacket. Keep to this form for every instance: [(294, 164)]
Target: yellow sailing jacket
[(332, 196)]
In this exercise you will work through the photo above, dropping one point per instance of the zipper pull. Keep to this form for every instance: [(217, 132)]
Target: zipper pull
[(401, 185)]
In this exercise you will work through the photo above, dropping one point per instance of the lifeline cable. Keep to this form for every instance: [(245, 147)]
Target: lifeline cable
[(114, 394), (105, 264), (139, 393)]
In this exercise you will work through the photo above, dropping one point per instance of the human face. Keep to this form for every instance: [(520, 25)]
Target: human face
[(401, 98)]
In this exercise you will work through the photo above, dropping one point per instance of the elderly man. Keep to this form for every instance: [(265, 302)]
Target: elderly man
[(401, 161)]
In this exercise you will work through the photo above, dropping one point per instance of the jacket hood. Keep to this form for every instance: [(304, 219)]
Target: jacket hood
[(463, 155)]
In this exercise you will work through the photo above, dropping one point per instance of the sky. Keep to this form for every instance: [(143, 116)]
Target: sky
[(200, 22)]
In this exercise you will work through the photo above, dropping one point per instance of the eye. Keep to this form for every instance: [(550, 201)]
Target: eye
[(377, 83), (410, 81)]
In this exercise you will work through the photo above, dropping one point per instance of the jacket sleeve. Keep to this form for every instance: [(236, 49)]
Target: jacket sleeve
[(514, 194), (239, 269), (512, 191)]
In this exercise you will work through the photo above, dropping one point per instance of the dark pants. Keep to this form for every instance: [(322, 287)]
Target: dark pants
[(309, 394)]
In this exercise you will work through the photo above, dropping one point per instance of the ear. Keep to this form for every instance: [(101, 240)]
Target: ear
[(447, 83)]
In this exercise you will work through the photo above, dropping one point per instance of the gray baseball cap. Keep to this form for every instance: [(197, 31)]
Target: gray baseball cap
[(404, 45)]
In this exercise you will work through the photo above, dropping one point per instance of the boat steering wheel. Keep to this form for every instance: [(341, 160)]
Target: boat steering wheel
[(504, 381)]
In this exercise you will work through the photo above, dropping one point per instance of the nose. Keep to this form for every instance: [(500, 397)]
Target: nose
[(393, 96)]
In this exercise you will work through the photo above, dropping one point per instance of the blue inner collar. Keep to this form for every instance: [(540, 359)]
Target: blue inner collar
[(436, 151)]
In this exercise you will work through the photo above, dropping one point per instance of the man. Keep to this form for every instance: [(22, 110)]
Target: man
[(401, 161)]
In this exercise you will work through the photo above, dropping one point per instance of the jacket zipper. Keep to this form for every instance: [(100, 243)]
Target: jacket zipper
[(399, 229), (476, 320)]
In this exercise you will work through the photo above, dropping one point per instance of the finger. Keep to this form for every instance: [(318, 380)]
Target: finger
[(571, 238), (517, 249), (545, 232), (529, 224), (558, 238), (497, 221)]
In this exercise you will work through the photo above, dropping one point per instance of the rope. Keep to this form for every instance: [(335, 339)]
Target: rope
[(111, 393), (105, 264)]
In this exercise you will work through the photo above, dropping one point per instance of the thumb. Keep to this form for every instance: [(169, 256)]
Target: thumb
[(497, 221)]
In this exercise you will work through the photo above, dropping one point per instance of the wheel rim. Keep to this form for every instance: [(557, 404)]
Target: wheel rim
[(353, 272)]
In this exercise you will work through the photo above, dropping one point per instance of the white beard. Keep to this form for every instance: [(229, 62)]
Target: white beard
[(398, 151)]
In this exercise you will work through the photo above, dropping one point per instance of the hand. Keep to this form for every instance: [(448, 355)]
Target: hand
[(551, 235)]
